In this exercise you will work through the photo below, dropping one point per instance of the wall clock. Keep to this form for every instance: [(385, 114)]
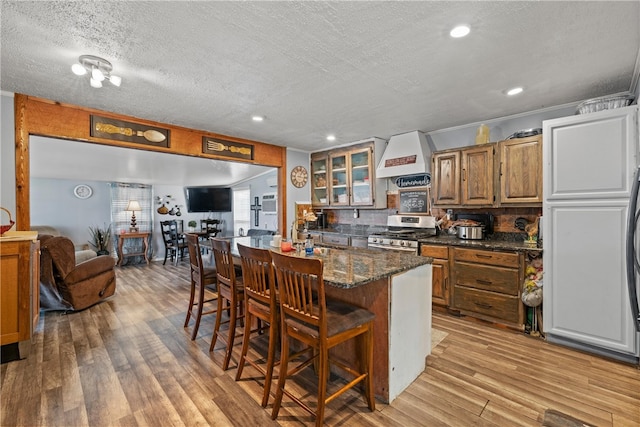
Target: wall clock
[(299, 176), (82, 191)]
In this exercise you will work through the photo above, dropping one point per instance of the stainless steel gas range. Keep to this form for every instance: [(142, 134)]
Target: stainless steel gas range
[(403, 233)]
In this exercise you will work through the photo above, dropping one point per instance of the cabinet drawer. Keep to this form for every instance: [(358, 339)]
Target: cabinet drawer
[(335, 239), (499, 306), (496, 279), (434, 251), (359, 242), (506, 259)]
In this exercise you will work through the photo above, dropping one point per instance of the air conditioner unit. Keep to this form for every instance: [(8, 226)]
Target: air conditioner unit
[(270, 203)]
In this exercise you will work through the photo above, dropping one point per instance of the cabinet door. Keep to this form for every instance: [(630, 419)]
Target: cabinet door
[(339, 184), (477, 175), (440, 272), (360, 166), (446, 178), (15, 292), (440, 282), (520, 170), (319, 188)]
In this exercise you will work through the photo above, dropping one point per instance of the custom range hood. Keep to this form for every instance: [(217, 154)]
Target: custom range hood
[(406, 154)]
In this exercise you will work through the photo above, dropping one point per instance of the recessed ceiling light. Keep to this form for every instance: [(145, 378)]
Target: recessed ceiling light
[(257, 118), (460, 31), (331, 137), (514, 91)]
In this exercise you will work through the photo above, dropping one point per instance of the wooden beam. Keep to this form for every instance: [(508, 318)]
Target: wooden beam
[(42, 117)]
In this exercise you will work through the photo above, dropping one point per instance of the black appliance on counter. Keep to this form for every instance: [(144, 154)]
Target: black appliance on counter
[(320, 223)]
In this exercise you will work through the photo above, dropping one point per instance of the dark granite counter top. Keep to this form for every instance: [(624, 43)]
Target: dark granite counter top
[(499, 241), (348, 267)]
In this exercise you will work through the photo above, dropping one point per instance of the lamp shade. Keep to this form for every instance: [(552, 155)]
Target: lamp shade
[(133, 206)]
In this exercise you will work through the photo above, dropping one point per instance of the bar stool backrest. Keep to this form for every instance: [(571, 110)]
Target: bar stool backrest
[(297, 280)]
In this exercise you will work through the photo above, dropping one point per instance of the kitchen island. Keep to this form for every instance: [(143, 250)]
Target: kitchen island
[(396, 287)]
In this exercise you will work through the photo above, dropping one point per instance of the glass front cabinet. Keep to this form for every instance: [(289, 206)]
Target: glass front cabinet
[(319, 187), (345, 177)]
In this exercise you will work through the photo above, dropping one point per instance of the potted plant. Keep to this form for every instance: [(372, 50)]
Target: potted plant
[(192, 225), (100, 238)]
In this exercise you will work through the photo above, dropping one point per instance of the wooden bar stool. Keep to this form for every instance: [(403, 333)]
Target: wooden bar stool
[(260, 302), (201, 279), (320, 324), (231, 292)]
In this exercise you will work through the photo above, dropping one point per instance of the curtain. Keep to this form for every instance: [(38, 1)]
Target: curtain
[(241, 211), (121, 194)]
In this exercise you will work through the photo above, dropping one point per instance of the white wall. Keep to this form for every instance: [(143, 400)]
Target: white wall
[(53, 203), (300, 195), (7, 158)]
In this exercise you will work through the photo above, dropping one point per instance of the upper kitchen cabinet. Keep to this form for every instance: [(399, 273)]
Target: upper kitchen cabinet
[(520, 171), (345, 177), (319, 187), (463, 176), (477, 175), (446, 178)]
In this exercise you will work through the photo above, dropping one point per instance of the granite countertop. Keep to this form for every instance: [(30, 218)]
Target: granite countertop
[(349, 267), (497, 241)]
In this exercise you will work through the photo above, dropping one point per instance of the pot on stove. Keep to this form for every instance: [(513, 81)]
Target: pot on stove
[(470, 232)]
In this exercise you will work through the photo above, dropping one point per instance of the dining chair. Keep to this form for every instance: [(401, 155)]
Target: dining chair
[(260, 302), (230, 293), (320, 324), (203, 279), (174, 243)]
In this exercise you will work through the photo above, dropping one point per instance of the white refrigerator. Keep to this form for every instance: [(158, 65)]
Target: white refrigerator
[(589, 167)]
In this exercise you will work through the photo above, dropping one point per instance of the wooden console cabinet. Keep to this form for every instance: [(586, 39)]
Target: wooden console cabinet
[(19, 286)]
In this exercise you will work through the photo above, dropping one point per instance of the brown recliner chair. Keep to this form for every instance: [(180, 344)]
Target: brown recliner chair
[(67, 286)]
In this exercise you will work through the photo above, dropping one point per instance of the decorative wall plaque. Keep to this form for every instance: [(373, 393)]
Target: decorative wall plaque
[(118, 130), (226, 148)]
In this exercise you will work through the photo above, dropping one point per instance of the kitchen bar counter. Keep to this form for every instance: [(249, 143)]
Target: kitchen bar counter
[(348, 267), (396, 287)]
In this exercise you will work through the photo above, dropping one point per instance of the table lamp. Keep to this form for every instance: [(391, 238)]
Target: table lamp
[(133, 206)]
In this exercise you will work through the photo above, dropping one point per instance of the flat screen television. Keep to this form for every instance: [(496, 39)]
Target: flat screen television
[(208, 199)]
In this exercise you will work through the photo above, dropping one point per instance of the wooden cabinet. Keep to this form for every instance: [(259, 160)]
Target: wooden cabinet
[(345, 177), (487, 284), (520, 171), (446, 178), (507, 173), (19, 289), (440, 272), (477, 175), (464, 177), (319, 186)]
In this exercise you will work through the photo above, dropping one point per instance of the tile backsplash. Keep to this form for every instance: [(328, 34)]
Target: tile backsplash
[(504, 218)]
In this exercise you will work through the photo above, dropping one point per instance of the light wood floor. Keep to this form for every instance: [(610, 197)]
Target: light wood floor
[(128, 361)]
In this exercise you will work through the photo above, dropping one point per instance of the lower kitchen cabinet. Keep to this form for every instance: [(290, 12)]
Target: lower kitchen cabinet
[(440, 275), (487, 285)]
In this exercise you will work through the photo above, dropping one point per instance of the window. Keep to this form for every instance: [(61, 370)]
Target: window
[(241, 210), (121, 194)]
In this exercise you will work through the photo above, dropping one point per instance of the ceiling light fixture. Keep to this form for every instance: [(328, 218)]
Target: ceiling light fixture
[(331, 138), (98, 68), (460, 31), (257, 118), (514, 91)]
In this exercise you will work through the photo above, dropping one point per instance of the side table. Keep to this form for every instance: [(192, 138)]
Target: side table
[(144, 235)]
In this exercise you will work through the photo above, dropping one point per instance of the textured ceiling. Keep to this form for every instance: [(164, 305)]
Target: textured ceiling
[(353, 69)]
